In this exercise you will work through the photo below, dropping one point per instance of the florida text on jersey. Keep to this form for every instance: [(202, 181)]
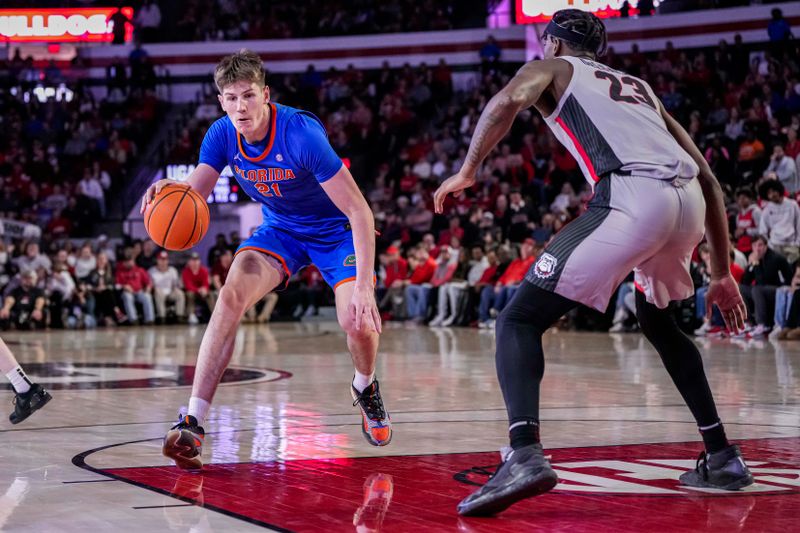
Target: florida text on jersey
[(284, 171)]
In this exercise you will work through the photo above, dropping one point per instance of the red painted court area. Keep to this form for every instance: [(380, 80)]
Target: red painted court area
[(614, 488)]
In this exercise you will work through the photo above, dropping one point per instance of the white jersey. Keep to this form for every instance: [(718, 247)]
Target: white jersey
[(610, 121)]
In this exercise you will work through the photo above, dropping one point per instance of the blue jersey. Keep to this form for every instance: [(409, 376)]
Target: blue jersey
[(283, 172)]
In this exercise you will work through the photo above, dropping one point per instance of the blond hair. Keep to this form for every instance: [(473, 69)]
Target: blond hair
[(244, 65)]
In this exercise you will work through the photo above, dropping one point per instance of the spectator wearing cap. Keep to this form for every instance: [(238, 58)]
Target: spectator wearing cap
[(197, 286), (780, 220), (167, 288), (24, 307), (136, 288), (783, 168), (494, 299)]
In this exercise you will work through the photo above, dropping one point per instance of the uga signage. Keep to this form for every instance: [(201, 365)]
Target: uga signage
[(529, 11), (61, 25)]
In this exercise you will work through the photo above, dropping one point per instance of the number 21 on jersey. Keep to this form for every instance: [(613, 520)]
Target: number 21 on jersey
[(269, 189)]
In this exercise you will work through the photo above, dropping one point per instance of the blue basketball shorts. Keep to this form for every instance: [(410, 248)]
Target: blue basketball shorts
[(333, 255)]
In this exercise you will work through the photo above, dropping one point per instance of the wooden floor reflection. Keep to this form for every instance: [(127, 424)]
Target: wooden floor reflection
[(286, 451)]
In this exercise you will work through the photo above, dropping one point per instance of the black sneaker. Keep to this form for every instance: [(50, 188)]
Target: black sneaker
[(375, 422), (724, 469), (524, 474), (184, 444), (27, 403)]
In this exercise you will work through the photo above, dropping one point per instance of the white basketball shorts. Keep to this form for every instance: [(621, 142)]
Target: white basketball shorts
[(634, 223)]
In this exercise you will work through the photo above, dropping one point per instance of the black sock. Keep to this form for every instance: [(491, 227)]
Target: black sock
[(714, 438), (524, 434)]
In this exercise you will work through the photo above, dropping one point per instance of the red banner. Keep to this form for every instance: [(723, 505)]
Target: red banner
[(78, 24), (530, 11)]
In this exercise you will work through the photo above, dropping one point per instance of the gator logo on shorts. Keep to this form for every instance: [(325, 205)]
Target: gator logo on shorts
[(545, 266), (350, 260)]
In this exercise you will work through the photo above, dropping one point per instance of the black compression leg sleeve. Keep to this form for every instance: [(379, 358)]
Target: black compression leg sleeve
[(685, 366), (520, 359)]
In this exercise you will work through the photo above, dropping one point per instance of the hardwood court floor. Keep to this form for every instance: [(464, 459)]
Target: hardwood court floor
[(285, 450)]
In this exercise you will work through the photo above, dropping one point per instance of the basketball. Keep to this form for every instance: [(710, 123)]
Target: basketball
[(177, 218)]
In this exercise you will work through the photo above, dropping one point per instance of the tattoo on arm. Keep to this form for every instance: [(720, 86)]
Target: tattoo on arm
[(496, 120)]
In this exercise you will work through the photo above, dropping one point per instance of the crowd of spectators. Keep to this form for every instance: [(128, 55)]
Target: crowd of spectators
[(95, 282), (63, 155), (404, 130), (231, 20)]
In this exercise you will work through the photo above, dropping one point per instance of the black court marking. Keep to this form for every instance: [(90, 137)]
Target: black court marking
[(88, 481), (176, 375), (164, 506), (80, 461)]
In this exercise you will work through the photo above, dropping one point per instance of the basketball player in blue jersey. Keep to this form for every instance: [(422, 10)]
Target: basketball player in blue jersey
[(313, 213)]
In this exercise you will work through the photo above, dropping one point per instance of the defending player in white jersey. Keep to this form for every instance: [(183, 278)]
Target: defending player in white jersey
[(655, 197)]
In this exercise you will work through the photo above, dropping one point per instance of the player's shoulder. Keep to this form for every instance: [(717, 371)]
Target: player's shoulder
[(296, 116)]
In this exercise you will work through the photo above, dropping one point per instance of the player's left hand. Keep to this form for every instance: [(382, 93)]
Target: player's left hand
[(724, 293), (364, 310), (454, 185)]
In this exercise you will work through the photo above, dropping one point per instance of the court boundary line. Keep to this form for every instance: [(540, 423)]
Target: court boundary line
[(80, 461)]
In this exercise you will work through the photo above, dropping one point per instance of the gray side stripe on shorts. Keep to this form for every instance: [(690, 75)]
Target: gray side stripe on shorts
[(573, 234)]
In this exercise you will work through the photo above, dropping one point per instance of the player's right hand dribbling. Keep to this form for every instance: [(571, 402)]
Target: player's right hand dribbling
[(152, 191)]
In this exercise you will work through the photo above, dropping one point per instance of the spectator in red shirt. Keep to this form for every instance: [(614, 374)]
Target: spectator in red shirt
[(396, 270), (428, 273), (196, 284), (454, 230), (495, 298), (136, 288)]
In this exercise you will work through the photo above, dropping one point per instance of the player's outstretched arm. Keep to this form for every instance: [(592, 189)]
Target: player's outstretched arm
[(345, 194), (723, 290), (522, 92), (202, 179)]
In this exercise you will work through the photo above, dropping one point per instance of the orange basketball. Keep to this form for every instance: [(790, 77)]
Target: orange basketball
[(177, 218)]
